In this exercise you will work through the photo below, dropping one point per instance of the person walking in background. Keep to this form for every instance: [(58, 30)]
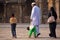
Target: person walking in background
[(35, 17), (52, 26), (13, 22)]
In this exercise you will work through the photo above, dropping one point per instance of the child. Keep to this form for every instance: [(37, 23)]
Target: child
[(32, 29), (13, 22)]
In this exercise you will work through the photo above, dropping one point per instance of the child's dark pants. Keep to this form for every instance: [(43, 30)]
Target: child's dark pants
[(13, 29)]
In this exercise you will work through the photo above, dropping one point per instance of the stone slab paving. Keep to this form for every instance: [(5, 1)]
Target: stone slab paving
[(22, 34), (24, 25)]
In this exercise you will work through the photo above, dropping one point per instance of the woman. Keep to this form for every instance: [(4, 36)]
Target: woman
[(52, 26)]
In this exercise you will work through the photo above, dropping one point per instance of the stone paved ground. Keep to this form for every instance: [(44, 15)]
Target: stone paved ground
[(5, 34)]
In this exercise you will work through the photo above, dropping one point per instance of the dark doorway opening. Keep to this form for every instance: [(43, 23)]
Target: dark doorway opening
[(1, 7), (1, 11)]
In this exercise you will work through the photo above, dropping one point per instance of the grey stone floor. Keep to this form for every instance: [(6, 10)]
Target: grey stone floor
[(22, 34)]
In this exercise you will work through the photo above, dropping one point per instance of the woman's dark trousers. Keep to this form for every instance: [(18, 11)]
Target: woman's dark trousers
[(52, 27)]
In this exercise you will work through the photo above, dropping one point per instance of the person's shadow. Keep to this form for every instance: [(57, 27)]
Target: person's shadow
[(38, 38), (48, 37)]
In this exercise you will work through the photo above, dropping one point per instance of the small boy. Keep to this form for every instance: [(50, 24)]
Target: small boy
[(13, 22)]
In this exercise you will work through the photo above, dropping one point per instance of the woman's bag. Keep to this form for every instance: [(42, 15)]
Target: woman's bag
[(51, 19)]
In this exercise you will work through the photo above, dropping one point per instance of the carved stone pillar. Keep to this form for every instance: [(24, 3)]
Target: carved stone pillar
[(53, 3), (50, 3), (44, 8), (57, 10)]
